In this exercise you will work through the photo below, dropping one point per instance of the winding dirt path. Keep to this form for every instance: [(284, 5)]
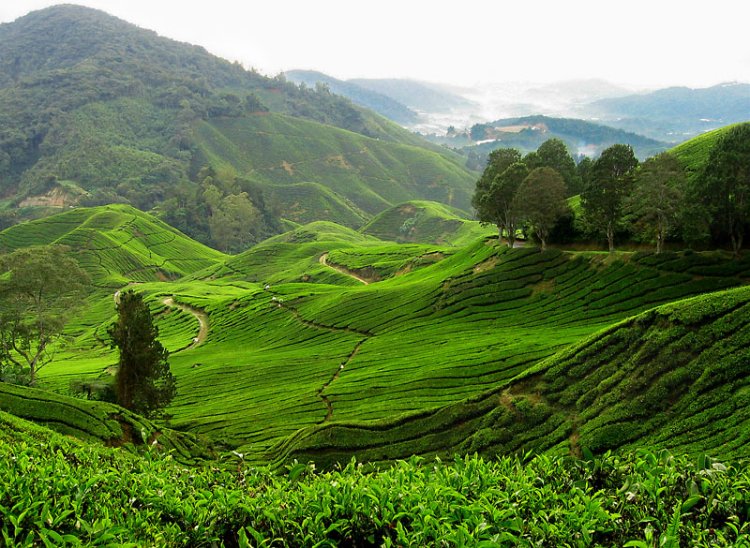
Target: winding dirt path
[(199, 314), (324, 261), (276, 301)]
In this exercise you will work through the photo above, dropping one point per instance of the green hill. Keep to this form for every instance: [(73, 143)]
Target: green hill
[(116, 244), (673, 377), (364, 175), (96, 422), (580, 136), (345, 351), (95, 110), (425, 222), (693, 154)]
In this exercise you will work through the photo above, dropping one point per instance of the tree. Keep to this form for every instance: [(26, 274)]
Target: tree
[(541, 201), (603, 198), (657, 197), (498, 205), (724, 185), (40, 288), (143, 383), (553, 153)]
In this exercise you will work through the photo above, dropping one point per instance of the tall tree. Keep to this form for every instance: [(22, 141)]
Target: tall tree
[(603, 198), (724, 185), (554, 153), (143, 383), (541, 201), (498, 205), (40, 288), (657, 196)]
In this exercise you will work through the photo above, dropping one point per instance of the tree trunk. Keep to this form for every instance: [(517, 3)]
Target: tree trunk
[(611, 237), (659, 241), (511, 236), (736, 242)]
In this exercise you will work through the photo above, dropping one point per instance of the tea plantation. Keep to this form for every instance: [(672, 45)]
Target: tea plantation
[(94, 495), (326, 344)]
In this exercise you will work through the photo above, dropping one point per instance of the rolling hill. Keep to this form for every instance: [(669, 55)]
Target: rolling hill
[(425, 222), (118, 114), (443, 324), (581, 137)]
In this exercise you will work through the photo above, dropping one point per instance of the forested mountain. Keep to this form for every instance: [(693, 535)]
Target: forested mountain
[(95, 110), (418, 95), (673, 114), (380, 103)]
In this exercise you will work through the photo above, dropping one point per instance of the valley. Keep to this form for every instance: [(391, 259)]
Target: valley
[(242, 310)]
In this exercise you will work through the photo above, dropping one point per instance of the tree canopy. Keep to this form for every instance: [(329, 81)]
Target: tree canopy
[(724, 186), (39, 288), (143, 383), (657, 197), (541, 201), (603, 197)]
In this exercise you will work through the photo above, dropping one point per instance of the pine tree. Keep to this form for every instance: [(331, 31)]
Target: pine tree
[(144, 383)]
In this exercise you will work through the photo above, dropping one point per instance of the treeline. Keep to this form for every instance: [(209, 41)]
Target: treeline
[(617, 198)]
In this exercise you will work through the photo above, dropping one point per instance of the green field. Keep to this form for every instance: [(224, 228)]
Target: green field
[(323, 335)]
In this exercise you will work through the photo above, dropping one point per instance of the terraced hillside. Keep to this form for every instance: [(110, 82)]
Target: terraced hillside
[(673, 377), (116, 244), (347, 177), (302, 352), (693, 154), (425, 222), (96, 422)]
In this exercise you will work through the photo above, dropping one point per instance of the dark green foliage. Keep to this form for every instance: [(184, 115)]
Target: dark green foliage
[(541, 199), (724, 186), (495, 193), (144, 383), (554, 154), (93, 495), (658, 194), (40, 288), (603, 198)]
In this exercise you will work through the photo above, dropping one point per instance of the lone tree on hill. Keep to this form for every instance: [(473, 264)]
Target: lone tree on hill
[(143, 383), (40, 287), (724, 185), (541, 199), (603, 197)]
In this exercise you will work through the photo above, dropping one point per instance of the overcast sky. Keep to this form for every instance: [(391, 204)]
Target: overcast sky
[(644, 43)]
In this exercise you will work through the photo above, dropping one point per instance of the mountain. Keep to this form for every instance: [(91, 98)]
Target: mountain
[(421, 96), (528, 132), (672, 114), (95, 110), (382, 104)]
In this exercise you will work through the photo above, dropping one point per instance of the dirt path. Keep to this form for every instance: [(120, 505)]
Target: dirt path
[(324, 261), (276, 301), (199, 314)]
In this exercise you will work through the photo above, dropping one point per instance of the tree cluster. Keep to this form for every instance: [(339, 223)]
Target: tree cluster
[(516, 192), (649, 202)]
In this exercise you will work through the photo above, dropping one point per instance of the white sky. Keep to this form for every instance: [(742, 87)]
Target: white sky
[(644, 43)]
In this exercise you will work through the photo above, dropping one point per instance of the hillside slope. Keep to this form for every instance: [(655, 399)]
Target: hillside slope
[(116, 244), (368, 175), (673, 377), (116, 113)]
